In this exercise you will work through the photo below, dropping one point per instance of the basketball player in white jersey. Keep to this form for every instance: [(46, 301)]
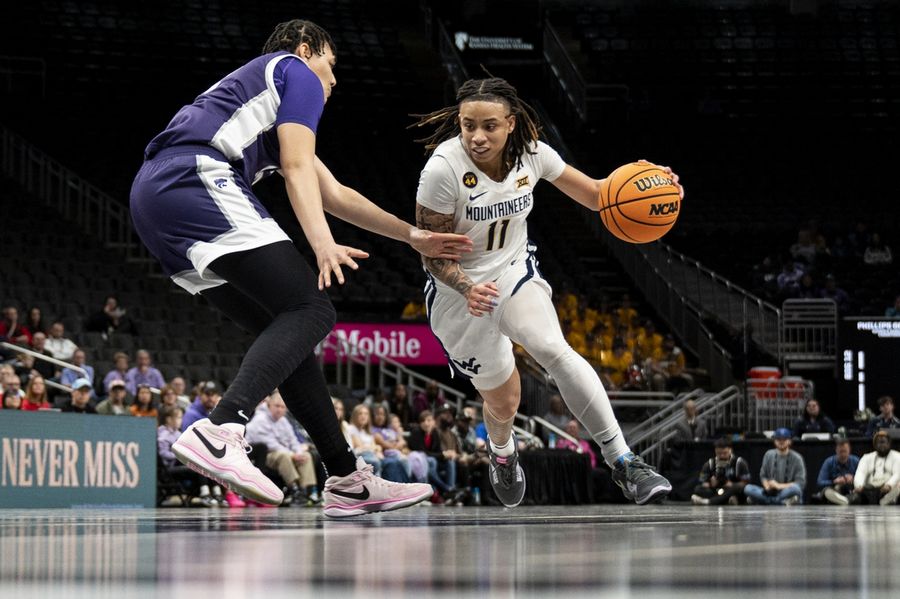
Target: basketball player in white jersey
[(479, 182)]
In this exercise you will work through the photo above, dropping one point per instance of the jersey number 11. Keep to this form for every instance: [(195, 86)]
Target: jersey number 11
[(492, 229)]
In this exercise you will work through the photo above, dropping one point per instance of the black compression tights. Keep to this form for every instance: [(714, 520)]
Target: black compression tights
[(273, 293)]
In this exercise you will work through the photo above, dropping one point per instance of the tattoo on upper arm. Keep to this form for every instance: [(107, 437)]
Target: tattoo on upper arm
[(447, 271)]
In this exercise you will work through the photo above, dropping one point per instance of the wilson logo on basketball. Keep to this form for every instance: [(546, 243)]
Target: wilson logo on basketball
[(645, 183), (663, 209)]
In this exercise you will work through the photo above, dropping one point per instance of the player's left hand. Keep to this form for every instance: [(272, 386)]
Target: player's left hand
[(448, 246), (669, 172)]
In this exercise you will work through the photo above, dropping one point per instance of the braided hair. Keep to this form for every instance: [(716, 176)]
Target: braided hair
[(492, 89), (290, 34)]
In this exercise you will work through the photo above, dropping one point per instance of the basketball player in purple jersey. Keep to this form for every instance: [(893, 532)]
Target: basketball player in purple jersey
[(193, 206)]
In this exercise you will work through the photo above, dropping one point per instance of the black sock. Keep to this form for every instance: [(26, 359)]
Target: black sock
[(306, 396)]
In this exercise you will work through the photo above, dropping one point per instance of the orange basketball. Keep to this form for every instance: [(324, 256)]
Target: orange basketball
[(639, 202)]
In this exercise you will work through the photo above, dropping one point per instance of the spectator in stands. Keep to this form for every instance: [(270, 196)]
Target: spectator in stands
[(395, 465), (812, 421), (649, 342), (45, 368), (364, 445), (789, 279), (166, 434), (398, 403), (722, 478), (339, 412), (168, 397), (376, 397), (79, 359), (36, 395), (626, 314), (144, 374), (119, 371), (783, 474), (23, 365), (835, 478), (833, 292), (617, 363), (452, 451), (672, 368), (57, 344), (430, 399), (109, 319), (877, 479), (8, 377), (35, 322), (12, 329), (805, 248), (114, 404), (893, 311), (691, 427), (80, 399), (858, 239), (807, 289), (206, 400), (12, 384), (877, 253), (290, 458), (144, 405), (573, 429), (885, 419), (414, 310), (441, 471), (557, 415), (12, 399)]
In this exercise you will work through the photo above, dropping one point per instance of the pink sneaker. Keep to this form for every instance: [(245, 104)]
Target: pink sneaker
[(220, 453), (362, 492), (234, 500)]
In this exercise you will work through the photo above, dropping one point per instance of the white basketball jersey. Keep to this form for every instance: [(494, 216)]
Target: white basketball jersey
[(491, 213)]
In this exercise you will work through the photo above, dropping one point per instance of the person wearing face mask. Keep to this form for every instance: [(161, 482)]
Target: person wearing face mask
[(486, 159), (193, 206), (877, 479)]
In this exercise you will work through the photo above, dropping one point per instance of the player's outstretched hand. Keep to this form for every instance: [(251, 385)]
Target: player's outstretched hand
[(481, 298), (330, 259), (448, 246), (671, 173)]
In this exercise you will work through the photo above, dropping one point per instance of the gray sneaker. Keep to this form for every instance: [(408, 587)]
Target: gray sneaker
[(639, 481), (507, 477)]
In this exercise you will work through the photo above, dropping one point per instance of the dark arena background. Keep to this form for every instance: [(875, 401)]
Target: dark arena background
[(773, 303)]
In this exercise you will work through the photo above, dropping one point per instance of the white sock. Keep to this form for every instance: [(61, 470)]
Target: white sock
[(505, 450)]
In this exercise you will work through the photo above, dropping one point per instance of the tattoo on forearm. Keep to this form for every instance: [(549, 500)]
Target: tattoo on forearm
[(446, 271)]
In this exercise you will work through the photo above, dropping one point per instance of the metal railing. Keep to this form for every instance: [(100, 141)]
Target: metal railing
[(809, 331), (354, 365), (715, 294), (94, 211), (774, 403), (16, 69), (564, 71), (558, 432), (585, 98), (37, 356), (725, 408), (450, 58), (676, 309)]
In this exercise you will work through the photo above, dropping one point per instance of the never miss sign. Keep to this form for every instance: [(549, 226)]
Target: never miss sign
[(66, 460)]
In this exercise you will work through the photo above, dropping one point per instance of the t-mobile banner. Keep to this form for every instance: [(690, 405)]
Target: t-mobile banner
[(410, 344)]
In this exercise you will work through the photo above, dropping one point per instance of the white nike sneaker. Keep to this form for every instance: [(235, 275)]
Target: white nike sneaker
[(220, 453), (362, 492)]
